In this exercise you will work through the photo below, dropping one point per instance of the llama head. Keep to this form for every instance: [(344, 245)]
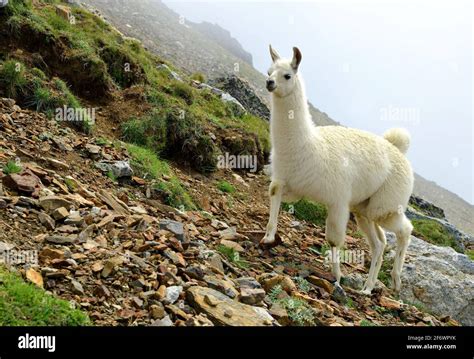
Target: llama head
[(282, 78)]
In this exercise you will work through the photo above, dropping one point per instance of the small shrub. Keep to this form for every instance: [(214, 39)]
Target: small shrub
[(198, 76), (12, 77), (175, 195), (302, 284), (38, 73), (43, 100), (385, 272), (112, 177), (299, 311), (11, 167), (225, 187), (275, 293), (183, 91), (147, 164), (233, 256)]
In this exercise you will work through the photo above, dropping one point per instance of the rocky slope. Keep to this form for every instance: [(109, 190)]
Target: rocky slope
[(127, 259)]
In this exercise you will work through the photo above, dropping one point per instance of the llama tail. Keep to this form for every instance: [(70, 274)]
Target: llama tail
[(399, 137)]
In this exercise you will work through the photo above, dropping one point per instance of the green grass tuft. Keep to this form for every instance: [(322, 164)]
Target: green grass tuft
[(225, 187), (12, 77), (434, 232), (233, 256), (11, 167), (470, 254), (309, 211), (23, 304), (147, 164)]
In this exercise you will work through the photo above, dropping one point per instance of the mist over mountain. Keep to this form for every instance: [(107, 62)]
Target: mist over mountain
[(224, 39)]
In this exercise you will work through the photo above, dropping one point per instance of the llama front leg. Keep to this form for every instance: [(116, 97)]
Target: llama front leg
[(336, 224), (276, 191)]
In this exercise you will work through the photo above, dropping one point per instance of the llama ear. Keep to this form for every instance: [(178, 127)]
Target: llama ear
[(274, 54), (296, 58)]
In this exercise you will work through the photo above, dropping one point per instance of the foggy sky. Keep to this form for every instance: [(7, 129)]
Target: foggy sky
[(374, 65)]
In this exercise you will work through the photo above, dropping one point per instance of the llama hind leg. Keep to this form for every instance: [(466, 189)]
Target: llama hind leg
[(336, 224), (402, 227), (377, 242), (276, 192)]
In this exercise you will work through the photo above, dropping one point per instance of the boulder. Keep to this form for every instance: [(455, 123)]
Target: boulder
[(438, 278), (25, 182), (243, 92)]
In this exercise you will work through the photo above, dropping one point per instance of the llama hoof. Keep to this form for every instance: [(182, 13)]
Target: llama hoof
[(365, 292), (267, 243), (267, 240)]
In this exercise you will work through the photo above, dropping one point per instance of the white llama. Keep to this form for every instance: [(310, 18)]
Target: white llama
[(346, 169)]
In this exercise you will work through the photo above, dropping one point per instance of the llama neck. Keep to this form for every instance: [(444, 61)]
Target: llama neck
[(290, 119)]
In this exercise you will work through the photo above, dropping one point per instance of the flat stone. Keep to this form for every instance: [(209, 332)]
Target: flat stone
[(56, 239), (56, 164), (46, 221), (235, 246), (248, 282), (321, 283), (252, 296), (51, 203), (60, 213), (51, 253), (77, 287), (174, 227), (222, 285), (219, 314)]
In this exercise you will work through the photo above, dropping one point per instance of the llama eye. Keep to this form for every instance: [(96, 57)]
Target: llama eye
[(287, 76)]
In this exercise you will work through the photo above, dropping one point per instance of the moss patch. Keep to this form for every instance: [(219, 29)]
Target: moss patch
[(433, 232)]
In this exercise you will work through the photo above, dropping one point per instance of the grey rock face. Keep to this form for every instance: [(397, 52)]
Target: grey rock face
[(244, 93), (439, 278)]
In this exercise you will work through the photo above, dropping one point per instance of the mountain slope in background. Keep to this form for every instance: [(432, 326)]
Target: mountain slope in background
[(202, 48), (224, 39), (457, 211), (184, 44)]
